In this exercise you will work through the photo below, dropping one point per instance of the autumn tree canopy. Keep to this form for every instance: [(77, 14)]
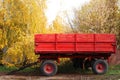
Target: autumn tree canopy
[(98, 16), (20, 20)]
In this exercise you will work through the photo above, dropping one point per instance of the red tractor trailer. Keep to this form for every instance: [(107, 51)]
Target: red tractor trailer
[(88, 50)]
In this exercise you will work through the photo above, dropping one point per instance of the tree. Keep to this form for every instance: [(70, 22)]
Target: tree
[(20, 20), (58, 26), (98, 16), (118, 24)]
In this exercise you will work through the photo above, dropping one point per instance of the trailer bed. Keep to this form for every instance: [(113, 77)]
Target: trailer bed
[(75, 43)]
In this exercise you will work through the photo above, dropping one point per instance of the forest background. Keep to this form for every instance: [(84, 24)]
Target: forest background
[(20, 20)]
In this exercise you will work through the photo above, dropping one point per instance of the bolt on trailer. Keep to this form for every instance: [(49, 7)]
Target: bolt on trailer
[(90, 50)]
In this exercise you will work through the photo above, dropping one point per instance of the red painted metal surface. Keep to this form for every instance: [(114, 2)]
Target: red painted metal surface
[(75, 43), (100, 67), (48, 68)]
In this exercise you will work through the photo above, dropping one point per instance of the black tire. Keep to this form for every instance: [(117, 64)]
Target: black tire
[(100, 66), (48, 68)]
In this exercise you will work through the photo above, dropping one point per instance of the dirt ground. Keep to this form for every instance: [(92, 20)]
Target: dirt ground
[(24, 76)]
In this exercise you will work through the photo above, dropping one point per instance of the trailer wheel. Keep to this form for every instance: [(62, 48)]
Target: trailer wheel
[(100, 67), (48, 68)]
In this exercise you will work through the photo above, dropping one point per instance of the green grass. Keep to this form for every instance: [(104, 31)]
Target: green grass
[(6, 69), (114, 70)]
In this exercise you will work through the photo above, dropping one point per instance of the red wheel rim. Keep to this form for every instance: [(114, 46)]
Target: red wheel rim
[(100, 67), (48, 68)]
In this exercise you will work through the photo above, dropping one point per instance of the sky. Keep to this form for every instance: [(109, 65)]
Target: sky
[(55, 7)]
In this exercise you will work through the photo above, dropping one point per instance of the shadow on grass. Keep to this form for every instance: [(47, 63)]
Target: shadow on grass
[(67, 68), (63, 68)]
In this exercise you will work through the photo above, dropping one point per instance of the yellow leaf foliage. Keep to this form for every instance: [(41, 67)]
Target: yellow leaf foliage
[(58, 26), (19, 21)]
